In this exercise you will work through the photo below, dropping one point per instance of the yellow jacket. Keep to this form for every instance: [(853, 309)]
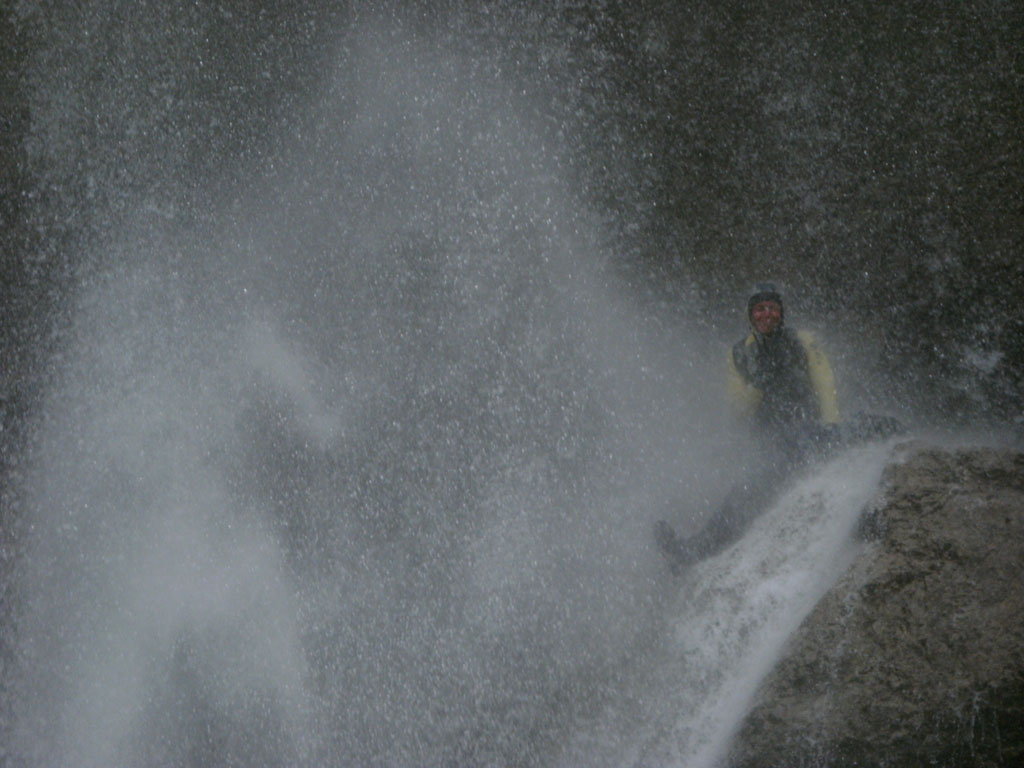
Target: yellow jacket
[(746, 384)]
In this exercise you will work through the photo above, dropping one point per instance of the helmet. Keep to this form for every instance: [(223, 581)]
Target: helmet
[(765, 292)]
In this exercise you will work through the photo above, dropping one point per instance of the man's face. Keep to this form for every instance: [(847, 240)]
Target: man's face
[(766, 316)]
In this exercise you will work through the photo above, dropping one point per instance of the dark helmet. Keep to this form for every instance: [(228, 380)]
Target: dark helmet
[(765, 292)]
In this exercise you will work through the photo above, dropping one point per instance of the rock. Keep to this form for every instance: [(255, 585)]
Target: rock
[(916, 656)]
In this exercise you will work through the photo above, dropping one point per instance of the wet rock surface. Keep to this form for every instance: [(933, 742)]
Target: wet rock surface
[(916, 656)]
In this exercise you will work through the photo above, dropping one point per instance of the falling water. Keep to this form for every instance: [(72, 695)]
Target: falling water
[(355, 460), (361, 469), (729, 622)]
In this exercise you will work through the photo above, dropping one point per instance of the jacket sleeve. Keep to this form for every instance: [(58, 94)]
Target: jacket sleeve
[(744, 398), (822, 380)]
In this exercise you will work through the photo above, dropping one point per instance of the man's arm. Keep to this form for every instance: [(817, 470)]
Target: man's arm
[(822, 379), (744, 398)]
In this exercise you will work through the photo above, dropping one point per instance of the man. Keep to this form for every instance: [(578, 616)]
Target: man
[(779, 380), (780, 385)]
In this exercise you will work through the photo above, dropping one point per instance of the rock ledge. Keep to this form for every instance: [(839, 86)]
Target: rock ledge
[(916, 656)]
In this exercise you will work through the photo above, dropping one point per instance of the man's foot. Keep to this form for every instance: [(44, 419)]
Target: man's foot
[(672, 547)]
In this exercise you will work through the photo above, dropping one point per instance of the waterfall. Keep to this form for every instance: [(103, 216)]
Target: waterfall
[(356, 411), (350, 454)]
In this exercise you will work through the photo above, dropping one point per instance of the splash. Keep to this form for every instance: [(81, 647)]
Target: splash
[(361, 469), (354, 460)]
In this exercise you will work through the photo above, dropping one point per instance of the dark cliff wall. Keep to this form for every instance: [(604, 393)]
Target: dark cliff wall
[(916, 657)]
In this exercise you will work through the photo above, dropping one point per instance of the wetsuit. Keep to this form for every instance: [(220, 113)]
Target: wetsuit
[(781, 380)]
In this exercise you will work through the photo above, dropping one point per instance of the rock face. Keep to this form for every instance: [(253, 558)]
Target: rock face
[(916, 657)]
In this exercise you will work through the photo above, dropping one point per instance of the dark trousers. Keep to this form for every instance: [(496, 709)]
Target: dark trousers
[(787, 449)]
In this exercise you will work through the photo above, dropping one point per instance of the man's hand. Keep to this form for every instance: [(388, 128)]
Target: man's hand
[(757, 377), (831, 434)]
